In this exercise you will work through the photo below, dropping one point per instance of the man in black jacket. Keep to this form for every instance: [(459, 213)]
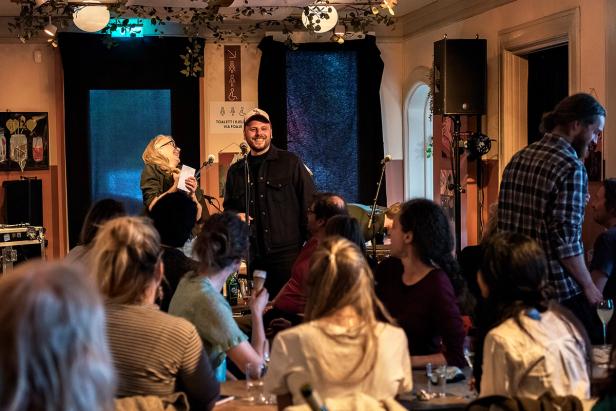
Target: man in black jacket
[(281, 190)]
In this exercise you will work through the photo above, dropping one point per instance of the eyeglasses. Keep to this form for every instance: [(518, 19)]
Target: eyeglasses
[(169, 142)]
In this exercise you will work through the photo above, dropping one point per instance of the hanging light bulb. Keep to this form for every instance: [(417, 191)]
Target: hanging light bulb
[(320, 17), (389, 5), (91, 17), (50, 29)]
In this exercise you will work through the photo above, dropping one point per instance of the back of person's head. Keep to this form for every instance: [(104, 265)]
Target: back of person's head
[(347, 227), (174, 217), (326, 205), (514, 269), (340, 277), (432, 236), (577, 107), (99, 213), (126, 256), (152, 156), (53, 355), (223, 241), (609, 186)]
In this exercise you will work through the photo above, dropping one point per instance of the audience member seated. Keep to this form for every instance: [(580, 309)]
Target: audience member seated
[(153, 352), (420, 285), (220, 246), (99, 213), (291, 300), (603, 263), (174, 217), (607, 390), (534, 346), (341, 348), (54, 355), (348, 227)]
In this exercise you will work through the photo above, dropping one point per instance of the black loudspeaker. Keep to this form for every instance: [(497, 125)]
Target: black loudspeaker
[(23, 201), (460, 77)]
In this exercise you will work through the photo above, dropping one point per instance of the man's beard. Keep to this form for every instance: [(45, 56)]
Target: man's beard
[(257, 149), (580, 147)]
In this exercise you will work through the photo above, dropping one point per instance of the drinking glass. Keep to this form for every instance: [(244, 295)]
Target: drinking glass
[(254, 383), (441, 373), (605, 310)]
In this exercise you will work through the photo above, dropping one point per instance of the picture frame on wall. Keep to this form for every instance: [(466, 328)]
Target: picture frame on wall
[(24, 141)]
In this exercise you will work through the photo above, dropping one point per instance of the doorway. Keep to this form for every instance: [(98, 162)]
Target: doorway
[(548, 83)]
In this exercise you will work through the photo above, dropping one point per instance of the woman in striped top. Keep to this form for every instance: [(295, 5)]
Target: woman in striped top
[(154, 353)]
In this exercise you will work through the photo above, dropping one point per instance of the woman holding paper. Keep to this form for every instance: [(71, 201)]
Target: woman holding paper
[(161, 174)]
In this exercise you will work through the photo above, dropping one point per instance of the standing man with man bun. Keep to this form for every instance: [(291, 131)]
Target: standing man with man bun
[(543, 193), (280, 191)]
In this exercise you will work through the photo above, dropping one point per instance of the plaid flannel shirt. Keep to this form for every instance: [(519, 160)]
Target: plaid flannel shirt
[(543, 195)]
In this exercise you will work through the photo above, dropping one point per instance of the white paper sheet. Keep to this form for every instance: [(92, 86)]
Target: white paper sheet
[(185, 172)]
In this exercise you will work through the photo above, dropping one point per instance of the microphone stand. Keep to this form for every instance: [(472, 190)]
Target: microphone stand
[(372, 212), (247, 205)]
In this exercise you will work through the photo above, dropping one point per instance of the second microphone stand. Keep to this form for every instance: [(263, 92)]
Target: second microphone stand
[(372, 212)]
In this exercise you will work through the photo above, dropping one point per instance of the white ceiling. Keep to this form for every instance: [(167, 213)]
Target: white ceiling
[(12, 8)]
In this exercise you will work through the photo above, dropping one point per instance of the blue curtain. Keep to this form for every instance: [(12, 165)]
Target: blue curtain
[(328, 110)]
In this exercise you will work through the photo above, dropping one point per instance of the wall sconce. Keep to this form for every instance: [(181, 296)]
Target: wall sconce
[(91, 17), (320, 17), (50, 29)]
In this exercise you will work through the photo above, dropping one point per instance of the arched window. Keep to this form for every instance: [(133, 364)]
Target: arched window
[(419, 174)]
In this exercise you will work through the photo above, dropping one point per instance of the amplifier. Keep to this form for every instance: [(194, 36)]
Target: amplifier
[(22, 236)]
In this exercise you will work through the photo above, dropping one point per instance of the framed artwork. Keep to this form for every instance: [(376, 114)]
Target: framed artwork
[(24, 141)]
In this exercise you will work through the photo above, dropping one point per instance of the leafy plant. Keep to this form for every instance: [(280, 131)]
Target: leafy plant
[(203, 22)]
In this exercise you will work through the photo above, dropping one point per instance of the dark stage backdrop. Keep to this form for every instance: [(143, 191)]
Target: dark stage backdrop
[(324, 103), (148, 63)]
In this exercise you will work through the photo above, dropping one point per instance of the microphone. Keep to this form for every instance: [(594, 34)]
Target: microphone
[(244, 148), (387, 159), (311, 401), (209, 162)]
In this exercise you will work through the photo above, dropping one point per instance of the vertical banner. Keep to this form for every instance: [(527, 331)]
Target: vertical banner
[(233, 73)]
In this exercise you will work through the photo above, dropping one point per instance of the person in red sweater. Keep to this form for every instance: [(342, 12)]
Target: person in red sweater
[(290, 302), (420, 284)]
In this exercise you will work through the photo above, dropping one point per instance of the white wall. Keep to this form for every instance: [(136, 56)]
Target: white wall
[(418, 49)]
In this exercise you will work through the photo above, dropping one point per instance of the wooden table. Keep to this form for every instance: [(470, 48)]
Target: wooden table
[(238, 390), (458, 396)]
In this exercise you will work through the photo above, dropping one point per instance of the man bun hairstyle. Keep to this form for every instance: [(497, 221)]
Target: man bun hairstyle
[(581, 107)]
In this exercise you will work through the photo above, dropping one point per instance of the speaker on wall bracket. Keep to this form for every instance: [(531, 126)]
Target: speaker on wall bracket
[(459, 82)]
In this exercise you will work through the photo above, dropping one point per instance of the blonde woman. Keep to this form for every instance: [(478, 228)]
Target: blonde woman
[(161, 174), (54, 355), (154, 353), (341, 349)]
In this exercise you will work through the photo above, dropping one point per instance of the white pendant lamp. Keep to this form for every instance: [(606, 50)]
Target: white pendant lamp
[(91, 17), (321, 17)]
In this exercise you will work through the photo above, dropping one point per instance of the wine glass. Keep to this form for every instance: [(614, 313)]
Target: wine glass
[(605, 309)]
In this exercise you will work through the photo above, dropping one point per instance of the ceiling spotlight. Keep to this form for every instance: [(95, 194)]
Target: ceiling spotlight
[(50, 29), (39, 3), (320, 17), (52, 42), (389, 5), (91, 17)]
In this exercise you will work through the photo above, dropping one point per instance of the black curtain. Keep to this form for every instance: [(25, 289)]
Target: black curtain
[(273, 99), (132, 63)]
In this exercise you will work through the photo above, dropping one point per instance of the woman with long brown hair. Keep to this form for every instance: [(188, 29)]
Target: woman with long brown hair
[(154, 353), (342, 348)]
